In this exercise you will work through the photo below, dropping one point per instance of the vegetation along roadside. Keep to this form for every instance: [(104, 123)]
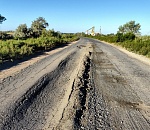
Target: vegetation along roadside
[(128, 36), (25, 41)]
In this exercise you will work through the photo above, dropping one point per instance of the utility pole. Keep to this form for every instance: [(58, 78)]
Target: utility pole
[(100, 30)]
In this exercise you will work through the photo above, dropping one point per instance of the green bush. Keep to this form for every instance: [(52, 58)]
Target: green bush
[(16, 49)]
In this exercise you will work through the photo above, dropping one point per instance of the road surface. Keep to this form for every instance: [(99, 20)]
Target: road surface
[(89, 85)]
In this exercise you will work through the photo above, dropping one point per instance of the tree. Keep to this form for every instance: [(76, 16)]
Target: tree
[(30, 32), (21, 32), (2, 18), (129, 36), (38, 25), (130, 27), (120, 37), (121, 29)]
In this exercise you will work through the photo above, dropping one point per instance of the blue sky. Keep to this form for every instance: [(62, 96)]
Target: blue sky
[(77, 15)]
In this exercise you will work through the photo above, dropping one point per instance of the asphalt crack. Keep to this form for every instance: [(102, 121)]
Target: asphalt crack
[(83, 89)]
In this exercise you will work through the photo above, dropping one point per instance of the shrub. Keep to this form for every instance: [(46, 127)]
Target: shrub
[(14, 49)]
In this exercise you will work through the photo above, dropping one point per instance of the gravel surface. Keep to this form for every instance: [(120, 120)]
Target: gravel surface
[(89, 85)]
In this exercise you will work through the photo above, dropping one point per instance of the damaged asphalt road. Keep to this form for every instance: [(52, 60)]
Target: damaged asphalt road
[(87, 86)]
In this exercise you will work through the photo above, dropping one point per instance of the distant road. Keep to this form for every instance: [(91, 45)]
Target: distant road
[(89, 85)]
